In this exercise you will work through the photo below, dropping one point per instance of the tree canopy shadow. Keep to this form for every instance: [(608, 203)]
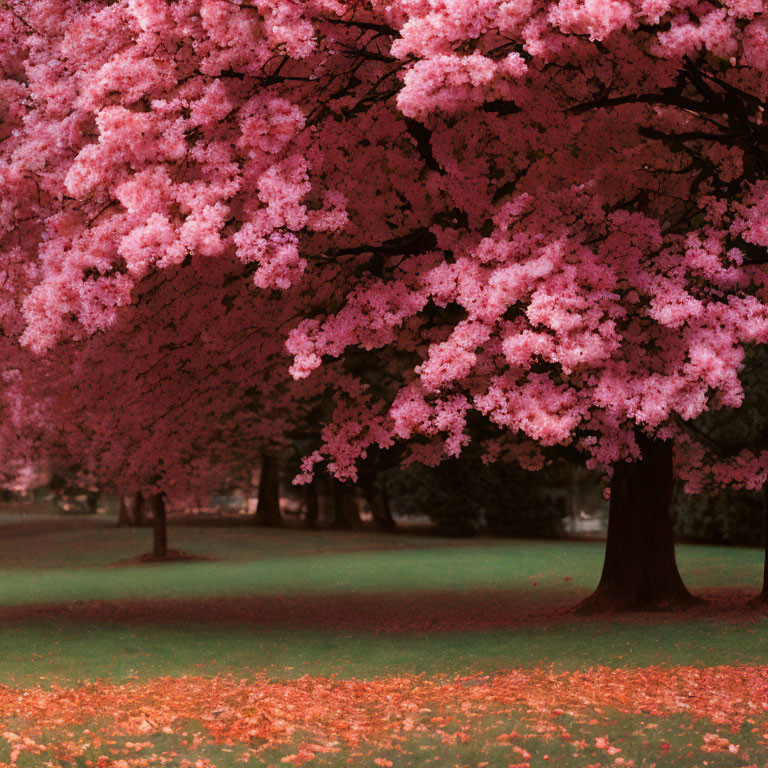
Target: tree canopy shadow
[(422, 612)]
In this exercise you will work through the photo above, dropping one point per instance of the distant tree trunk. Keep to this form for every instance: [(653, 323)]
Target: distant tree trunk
[(123, 514), (346, 514), (159, 526), (385, 519), (312, 505), (378, 500), (640, 571), (138, 510), (92, 500), (268, 505), (572, 501)]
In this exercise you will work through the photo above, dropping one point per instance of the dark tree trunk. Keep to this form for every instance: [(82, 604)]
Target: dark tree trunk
[(346, 514), (123, 514), (384, 518), (159, 527), (764, 593), (268, 505), (762, 598), (92, 501), (312, 505), (378, 500), (138, 510), (640, 571)]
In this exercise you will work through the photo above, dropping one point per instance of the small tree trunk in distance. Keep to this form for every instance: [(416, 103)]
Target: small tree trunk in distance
[(123, 515), (378, 500), (324, 492), (159, 527), (312, 505), (92, 501), (346, 514), (138, 510), (268, 505), (639, 570), (385, 519)]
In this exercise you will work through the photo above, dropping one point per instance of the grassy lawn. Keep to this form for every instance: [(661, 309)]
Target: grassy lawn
[(280, 605), (282, 592)]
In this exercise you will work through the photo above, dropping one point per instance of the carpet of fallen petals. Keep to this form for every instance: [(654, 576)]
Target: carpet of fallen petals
[(129, 725)]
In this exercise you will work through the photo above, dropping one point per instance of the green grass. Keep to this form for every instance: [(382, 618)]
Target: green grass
[(492, 566), (69, 652), (69, 562), (69, 565)]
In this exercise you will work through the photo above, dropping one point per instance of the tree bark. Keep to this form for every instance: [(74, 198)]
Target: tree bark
[(138, 510), (639, 570), (376, 496), (159, 527), (764, 592), (346, 514), (92, 501), (123, 514), (312, 505), (268, 505), (762, 598)]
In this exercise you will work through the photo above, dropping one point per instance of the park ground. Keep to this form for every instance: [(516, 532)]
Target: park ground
[(325, 649)]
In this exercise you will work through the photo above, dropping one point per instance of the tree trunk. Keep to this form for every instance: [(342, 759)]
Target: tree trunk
[(268, 505), (384, 517), (762, 598), (312, 504), (764, 593), (92, 501), (346, 514), (138, 510), (378, 500), (123, 514), (640, 571), (159, 527)]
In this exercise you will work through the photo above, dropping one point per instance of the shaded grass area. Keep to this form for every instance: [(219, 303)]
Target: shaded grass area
[(77, 541)]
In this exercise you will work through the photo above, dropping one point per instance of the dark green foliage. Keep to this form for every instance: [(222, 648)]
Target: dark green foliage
[(443, 494), (464, 495), (723, 515), (727, 517)]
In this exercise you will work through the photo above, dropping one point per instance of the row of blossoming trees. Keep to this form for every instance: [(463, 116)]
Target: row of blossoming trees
[(527, 223)]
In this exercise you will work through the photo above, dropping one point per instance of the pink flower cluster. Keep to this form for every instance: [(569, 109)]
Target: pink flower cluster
[(543, 216)]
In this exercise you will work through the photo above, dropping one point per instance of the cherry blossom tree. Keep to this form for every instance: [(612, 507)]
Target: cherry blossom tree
[(587, 265), (186, 391), (532, 223), (156, 399)]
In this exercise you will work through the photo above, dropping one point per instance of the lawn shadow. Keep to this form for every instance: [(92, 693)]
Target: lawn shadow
[(425, 612), (172, 556)]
